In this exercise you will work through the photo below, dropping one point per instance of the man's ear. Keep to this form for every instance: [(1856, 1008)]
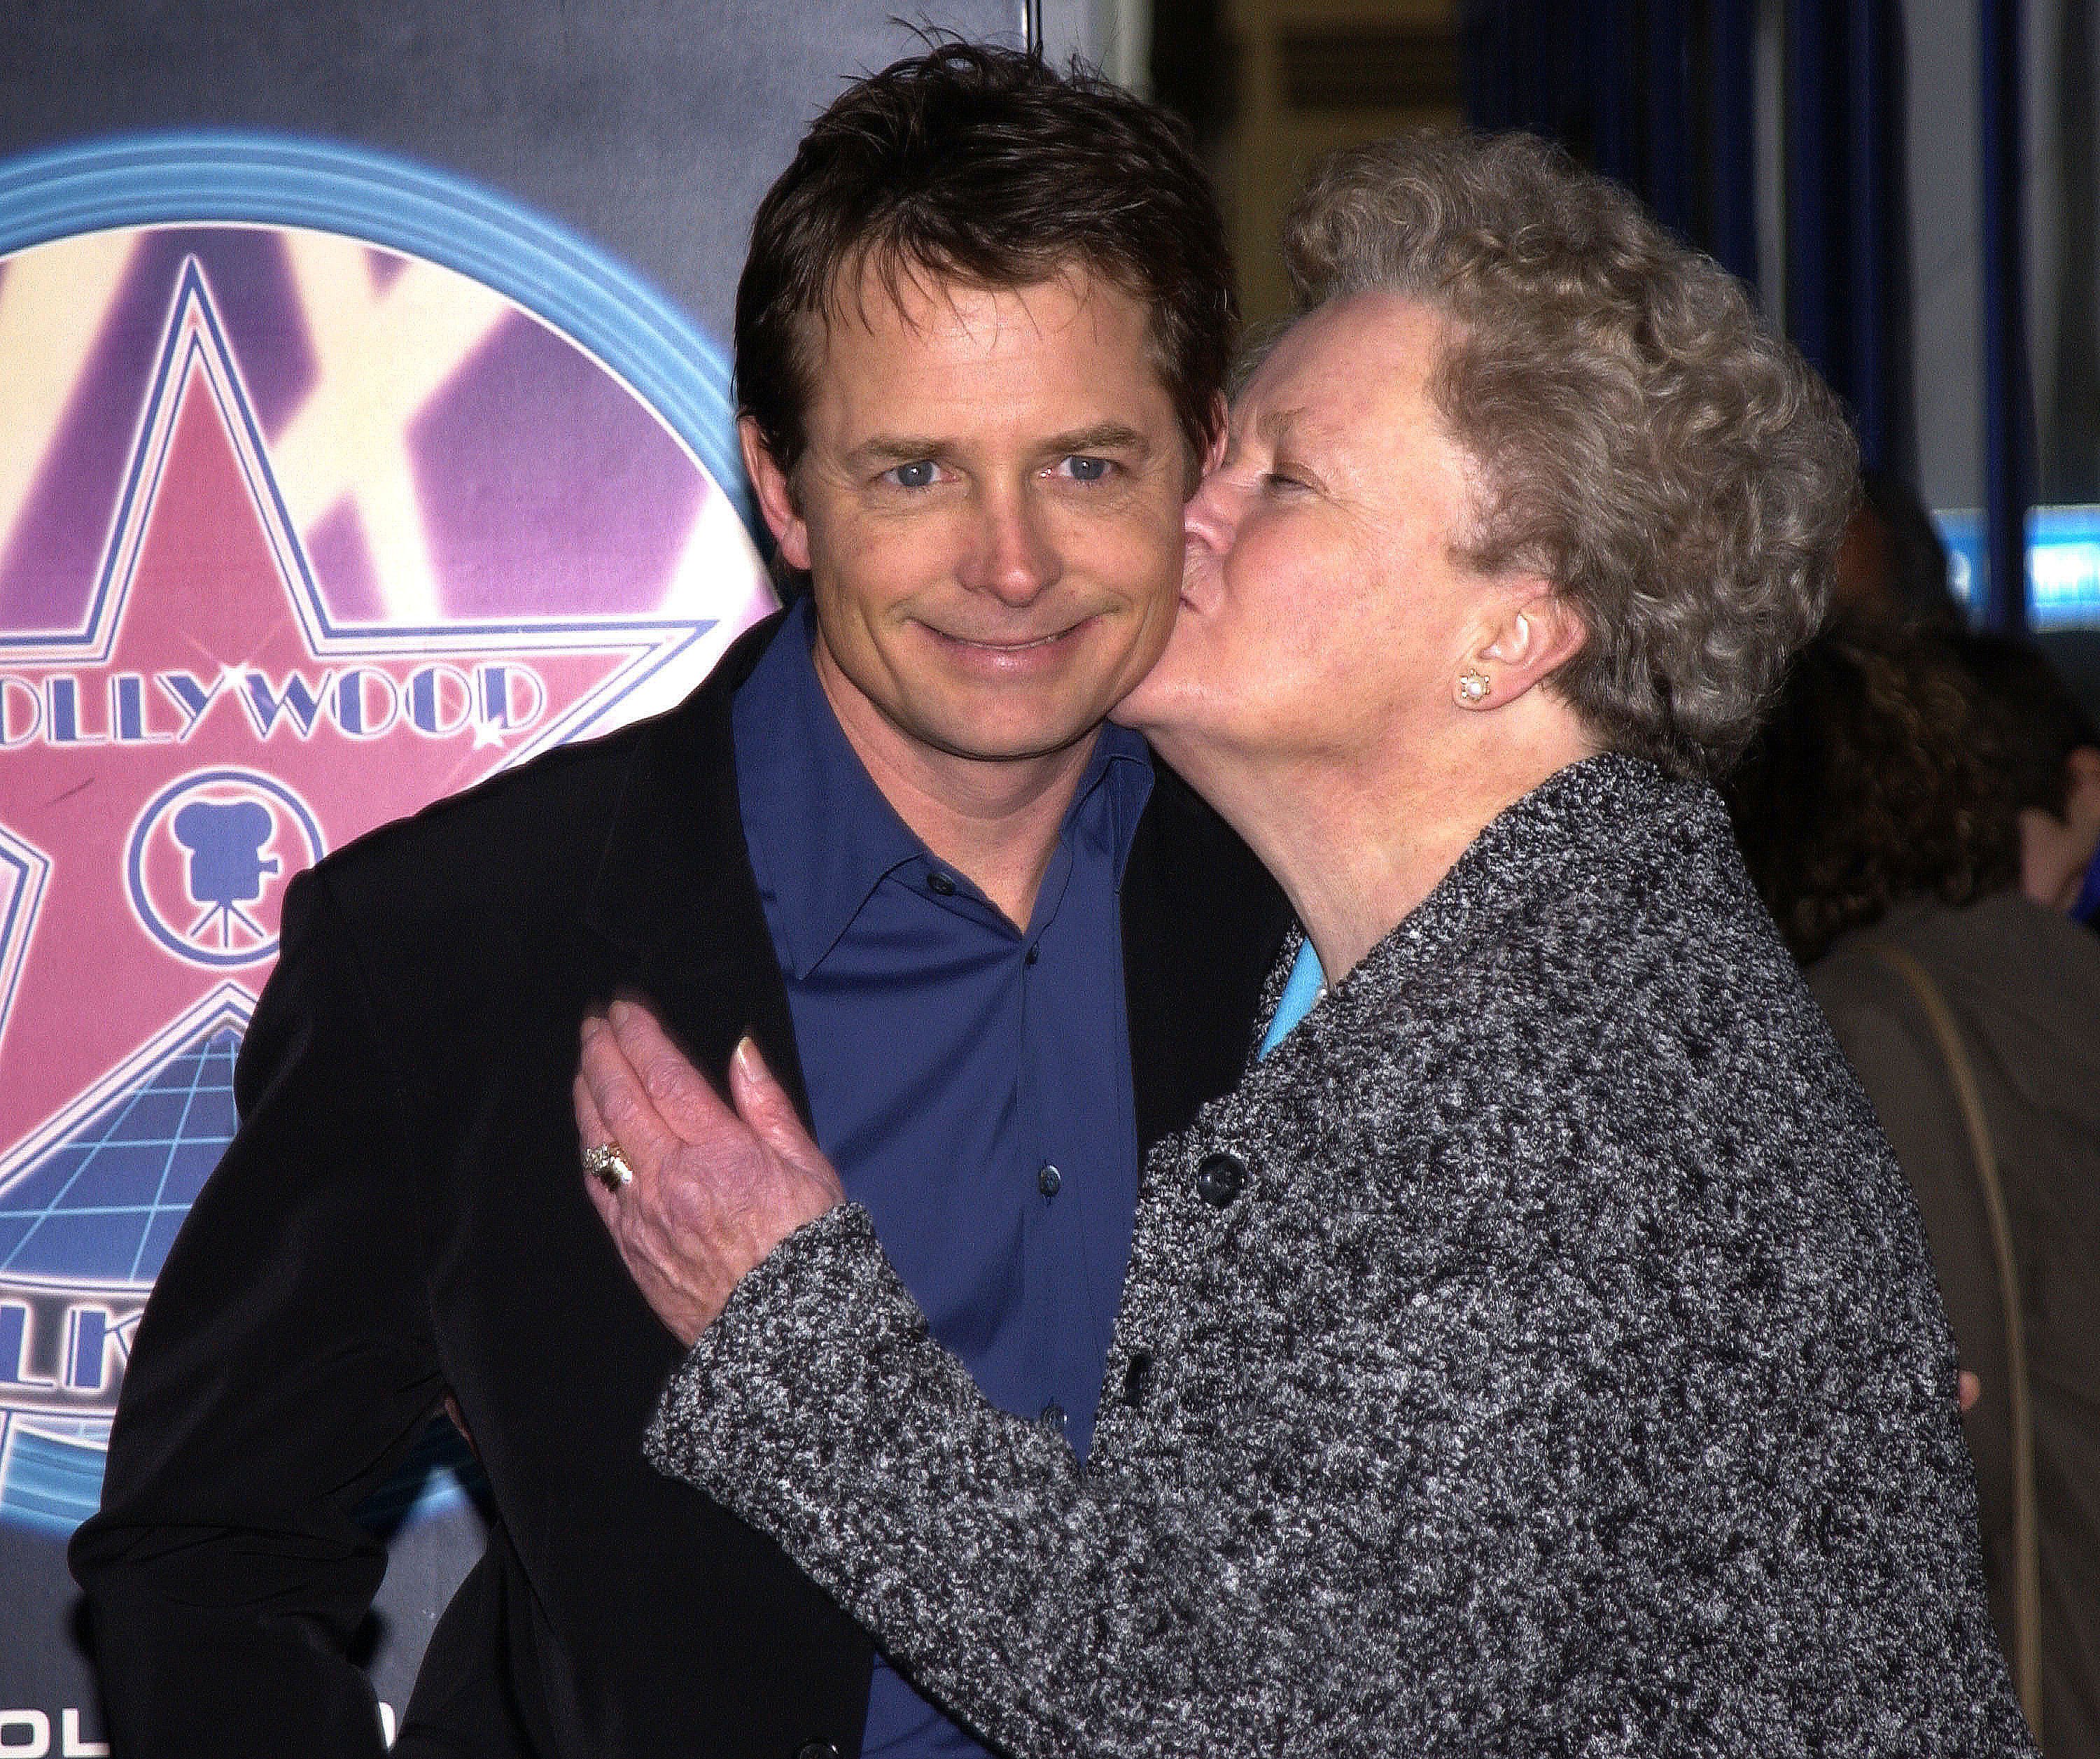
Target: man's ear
[(1214, 454), (2057, 849), (776, 496), (1532, 638)]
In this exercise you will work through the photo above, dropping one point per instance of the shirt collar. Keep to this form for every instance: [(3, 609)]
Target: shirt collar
[(822, 835)]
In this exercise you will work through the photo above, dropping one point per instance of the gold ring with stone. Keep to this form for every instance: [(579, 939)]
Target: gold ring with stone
[(605, 1163)]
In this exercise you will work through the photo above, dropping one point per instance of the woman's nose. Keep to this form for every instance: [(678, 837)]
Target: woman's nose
[(1212, 513)]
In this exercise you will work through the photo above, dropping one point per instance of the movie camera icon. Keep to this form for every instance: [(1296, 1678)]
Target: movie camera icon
[(208, 857), (228, 866)]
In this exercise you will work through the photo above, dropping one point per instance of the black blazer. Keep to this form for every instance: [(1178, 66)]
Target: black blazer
[(402, 1213)]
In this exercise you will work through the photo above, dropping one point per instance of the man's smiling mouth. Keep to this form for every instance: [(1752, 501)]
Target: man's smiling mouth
[(999, 647)]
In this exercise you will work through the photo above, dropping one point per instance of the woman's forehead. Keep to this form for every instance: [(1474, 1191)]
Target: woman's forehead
[(1352, 359)]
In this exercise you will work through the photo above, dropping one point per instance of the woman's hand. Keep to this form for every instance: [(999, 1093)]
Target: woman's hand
[(713, 1190)]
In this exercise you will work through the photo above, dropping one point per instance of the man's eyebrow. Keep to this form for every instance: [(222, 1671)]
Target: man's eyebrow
[(1105, 436), (896, 448)]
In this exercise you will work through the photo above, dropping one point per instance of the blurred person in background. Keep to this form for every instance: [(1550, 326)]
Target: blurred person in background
[(1893, 567), (2051, 755), (1875, 816), (1893, 562)]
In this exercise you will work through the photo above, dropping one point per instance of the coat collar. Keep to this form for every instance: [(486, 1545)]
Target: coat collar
[(1584, 820)]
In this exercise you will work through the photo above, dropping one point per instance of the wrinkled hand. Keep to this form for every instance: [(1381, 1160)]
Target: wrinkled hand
[(714, 1190)]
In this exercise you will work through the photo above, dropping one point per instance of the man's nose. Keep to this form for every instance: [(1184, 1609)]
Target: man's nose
[(1013, 554)]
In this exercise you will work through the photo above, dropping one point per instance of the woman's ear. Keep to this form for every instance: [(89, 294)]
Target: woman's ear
[(1532, 639), (776, 494)]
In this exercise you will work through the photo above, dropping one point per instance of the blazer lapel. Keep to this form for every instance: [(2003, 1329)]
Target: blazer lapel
[(674, 891), (1203, 924)]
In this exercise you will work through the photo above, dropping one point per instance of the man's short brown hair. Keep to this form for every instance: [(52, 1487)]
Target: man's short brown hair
[(985, 167)]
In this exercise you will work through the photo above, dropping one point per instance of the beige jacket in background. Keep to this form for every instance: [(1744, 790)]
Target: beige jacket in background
[(2023, 985)]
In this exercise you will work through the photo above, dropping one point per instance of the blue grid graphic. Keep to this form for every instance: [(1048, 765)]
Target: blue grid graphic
[(52, 1484), (103, 1206)]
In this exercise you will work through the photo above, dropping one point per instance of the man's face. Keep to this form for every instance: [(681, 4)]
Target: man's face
[(988, 506)]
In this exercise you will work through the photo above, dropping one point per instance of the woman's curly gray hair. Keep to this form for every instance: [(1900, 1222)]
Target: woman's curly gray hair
[(1680, 475)]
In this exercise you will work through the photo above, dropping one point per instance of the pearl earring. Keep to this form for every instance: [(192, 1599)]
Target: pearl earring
[(1472, 688)]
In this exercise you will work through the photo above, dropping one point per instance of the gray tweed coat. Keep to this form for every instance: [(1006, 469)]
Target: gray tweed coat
[(1537, 1354)]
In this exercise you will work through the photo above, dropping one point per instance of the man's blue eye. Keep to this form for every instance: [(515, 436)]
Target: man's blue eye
[(915, 475), (1089, 469)]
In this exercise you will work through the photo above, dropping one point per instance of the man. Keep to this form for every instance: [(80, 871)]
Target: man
[(2049, 755), (980, 341)]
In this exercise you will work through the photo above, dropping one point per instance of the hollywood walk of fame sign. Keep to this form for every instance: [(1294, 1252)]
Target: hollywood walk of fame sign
[(297, 534)]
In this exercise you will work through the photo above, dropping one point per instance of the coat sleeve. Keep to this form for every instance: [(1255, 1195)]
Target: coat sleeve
[(820, 1376), (283, 1365), (1699, 1513)]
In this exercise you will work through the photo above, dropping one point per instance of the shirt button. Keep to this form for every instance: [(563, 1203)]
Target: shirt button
[(1048, 1180), (1220, 1177), (1035, 953), (940, 885), (1053, 1414)]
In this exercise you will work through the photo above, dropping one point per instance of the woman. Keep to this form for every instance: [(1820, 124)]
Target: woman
[(1537, 1352), (1874, 814)]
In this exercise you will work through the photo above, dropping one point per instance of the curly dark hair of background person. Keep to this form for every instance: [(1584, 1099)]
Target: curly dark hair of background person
[(2038, 718), (1878, 777)]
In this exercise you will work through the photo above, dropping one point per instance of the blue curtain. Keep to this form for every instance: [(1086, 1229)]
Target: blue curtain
[(1655, 93), (2008, 436), (1660, 94)]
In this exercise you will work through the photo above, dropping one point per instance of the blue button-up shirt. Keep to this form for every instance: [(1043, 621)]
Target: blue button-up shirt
[(970, 1079)]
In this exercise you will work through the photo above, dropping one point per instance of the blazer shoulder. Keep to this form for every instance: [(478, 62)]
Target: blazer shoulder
[(546, 816), (482, 874), (550, 817)]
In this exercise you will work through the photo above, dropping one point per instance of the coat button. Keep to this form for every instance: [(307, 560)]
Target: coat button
[(1048, 1180), (816, 1750), (1220, 1177), (940, 885)]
